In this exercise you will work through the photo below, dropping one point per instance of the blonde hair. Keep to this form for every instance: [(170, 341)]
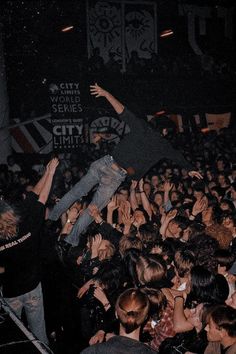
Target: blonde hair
[(132, 309), (8, 221), (106, 253)]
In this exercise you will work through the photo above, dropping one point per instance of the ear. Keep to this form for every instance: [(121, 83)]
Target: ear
[(223, 333)]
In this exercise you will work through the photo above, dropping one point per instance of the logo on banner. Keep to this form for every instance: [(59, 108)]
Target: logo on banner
[(66, 121)]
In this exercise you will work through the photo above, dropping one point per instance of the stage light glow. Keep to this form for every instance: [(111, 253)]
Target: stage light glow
[(160, 113), (67, 29), (166, 33)]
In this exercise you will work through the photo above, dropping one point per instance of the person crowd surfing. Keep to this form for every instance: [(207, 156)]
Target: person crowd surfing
[(137, 152)]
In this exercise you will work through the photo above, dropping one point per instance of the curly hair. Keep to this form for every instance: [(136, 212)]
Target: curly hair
[(221, 234), (8, 221)]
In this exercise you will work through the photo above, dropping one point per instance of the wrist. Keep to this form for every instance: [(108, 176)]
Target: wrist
[(107, 305), (69, 221)]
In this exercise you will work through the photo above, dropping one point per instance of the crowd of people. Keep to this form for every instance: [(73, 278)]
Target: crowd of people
[(129, 261)]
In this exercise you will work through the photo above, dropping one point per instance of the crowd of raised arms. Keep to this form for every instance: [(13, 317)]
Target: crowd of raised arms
[(156, 270)]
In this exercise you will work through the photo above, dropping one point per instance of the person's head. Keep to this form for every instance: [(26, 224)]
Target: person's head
[(106, 250), (155, 180), (228, 220), (109, 276), (158, 198), (122, 194), (222, 179), (127, 242), (149, 236), (221, 234), (177, 226), (147, 188), (221, 325), (204, 248), (218, 193), (227, 205), (140, 216), (199, 191), (8, 221), (184, 261), (224, 259), (151, 269), (132, 308)]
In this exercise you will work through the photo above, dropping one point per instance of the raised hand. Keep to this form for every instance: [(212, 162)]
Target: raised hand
[(97, 91), (195, 174), (97, 338), (168, 186), (134, 184), (95, 244), (95, 213), (52, 165), (199, 206), (113, 205), (172, 214)]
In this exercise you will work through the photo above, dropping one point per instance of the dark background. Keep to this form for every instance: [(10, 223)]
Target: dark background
[(37, 53)]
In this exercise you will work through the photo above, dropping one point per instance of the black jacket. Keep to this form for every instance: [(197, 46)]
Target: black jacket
[(143, 147)]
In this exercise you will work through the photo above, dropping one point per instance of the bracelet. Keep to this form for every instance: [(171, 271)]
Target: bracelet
[(101, 222), (178, 296), (106, 305)]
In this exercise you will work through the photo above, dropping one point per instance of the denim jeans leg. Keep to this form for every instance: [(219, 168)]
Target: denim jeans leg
[(16, 304), (79, 190), (109, 182), (34, 309)]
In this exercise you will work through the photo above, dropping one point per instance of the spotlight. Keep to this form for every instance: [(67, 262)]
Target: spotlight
[(166, 33), (67, 29), (160, 113)]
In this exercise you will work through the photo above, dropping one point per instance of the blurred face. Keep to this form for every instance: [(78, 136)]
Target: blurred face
[(214, 334), (154, 181), (209, 175), (228, 222), (122, 195), (231, 301), (220, 165), (174, 228), (147, 188), (224, 206), (139, 217), (174, 197), (158, 199), (221, 179)]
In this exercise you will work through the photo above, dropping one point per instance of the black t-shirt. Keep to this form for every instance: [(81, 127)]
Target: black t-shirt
[(20, 255), (143, 147)]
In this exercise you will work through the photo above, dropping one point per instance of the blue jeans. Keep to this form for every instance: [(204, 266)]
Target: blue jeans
[(32, 302), (108, 180)]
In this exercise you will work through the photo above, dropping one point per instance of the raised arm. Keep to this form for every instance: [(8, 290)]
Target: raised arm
[(98, 91), (46, 187)]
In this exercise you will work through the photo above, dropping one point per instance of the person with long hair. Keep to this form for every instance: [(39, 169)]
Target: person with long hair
[(132, 309)]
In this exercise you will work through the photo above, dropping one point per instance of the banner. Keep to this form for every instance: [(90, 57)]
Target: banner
[(66, 109), (120, 28)]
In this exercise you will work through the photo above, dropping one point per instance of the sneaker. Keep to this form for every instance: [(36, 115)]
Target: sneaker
[(63, 249)]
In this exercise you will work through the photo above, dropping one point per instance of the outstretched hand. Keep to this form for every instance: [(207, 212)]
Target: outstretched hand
[(195, 174), (97, 91)]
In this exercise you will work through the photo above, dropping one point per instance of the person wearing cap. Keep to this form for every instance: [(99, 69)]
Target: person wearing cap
[(135, 154)]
